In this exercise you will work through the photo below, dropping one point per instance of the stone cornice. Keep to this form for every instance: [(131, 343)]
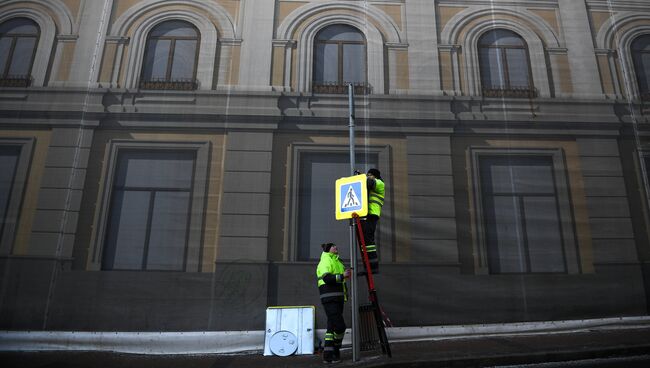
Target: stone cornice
[(135, 109)]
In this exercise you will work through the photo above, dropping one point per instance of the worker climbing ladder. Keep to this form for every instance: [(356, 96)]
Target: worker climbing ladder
[(380, 318)]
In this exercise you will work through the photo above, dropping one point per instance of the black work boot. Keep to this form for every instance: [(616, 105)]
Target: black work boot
[(328, 356), (336, 356)]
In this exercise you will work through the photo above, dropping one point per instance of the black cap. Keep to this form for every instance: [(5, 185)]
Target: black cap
[(375, 173), (326, 246)]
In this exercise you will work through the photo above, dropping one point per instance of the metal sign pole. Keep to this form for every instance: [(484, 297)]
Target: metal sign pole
[(353, 249)]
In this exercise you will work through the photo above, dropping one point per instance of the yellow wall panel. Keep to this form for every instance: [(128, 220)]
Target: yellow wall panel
[(605, 74), (619, 74), (598, 18), (67, 53), (121, 78), (121, 6), (108, 61), (233, 78), (73, 5), (394, 12), (232, 7), (446, 71), (402, 68), (278, 66), (549, 16), (294, 70), (285, 8), (564, 71), (445, 13)]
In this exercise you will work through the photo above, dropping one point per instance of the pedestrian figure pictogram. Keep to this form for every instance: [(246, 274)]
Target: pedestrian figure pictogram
[(351, 199)]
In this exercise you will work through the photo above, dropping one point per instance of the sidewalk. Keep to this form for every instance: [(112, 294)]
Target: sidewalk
[(470, 351)]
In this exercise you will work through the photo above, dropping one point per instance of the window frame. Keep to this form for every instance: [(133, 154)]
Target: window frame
[(198, 199), (508, 91), (168, 83), (566, 219), (5, 80), (19, 185), (340, 87)]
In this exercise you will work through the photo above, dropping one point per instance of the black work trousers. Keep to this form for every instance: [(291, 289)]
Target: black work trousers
[(335, 327), (335, 321), (369, 226)]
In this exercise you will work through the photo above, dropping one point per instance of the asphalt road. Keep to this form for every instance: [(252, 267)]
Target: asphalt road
[(641, 361)]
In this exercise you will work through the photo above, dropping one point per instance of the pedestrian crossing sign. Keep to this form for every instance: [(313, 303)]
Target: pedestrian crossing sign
[(351, 197)]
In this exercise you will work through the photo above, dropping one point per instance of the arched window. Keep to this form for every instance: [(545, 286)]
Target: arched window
[(641, 58), (18, 40), (505, 65), (170, 57), (339, 59)]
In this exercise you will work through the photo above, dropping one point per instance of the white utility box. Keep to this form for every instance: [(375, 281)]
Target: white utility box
[(289, 330)]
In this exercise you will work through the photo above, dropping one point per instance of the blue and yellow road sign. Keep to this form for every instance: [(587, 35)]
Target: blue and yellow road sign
[(351, 197)]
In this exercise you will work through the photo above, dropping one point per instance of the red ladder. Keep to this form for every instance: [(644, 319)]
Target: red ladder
[(381, 319)]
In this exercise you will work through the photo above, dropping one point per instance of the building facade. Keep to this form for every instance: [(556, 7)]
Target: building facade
[(170, 165)]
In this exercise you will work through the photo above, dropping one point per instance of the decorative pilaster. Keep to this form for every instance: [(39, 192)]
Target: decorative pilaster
[(421, 29), (579, 42), (256, 49)]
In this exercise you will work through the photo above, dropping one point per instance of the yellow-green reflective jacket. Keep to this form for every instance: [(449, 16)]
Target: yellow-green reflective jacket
[(376, 198), (331, 279)]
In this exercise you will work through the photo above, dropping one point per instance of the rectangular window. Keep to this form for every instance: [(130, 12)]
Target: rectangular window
[(150, 211), (9, 157), (524, 215), (316, 202), (646, 182), (5, 49), (15, 156)]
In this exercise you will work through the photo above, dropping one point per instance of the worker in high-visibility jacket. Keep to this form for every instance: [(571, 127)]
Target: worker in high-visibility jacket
[(376, 191), (331, 275)]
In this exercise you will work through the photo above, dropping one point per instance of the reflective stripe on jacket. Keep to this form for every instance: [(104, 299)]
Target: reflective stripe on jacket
[(331, 279), (376, 197)]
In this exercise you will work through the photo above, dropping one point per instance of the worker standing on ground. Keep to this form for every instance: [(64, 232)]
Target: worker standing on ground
[(331, 275), (376, 190)]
